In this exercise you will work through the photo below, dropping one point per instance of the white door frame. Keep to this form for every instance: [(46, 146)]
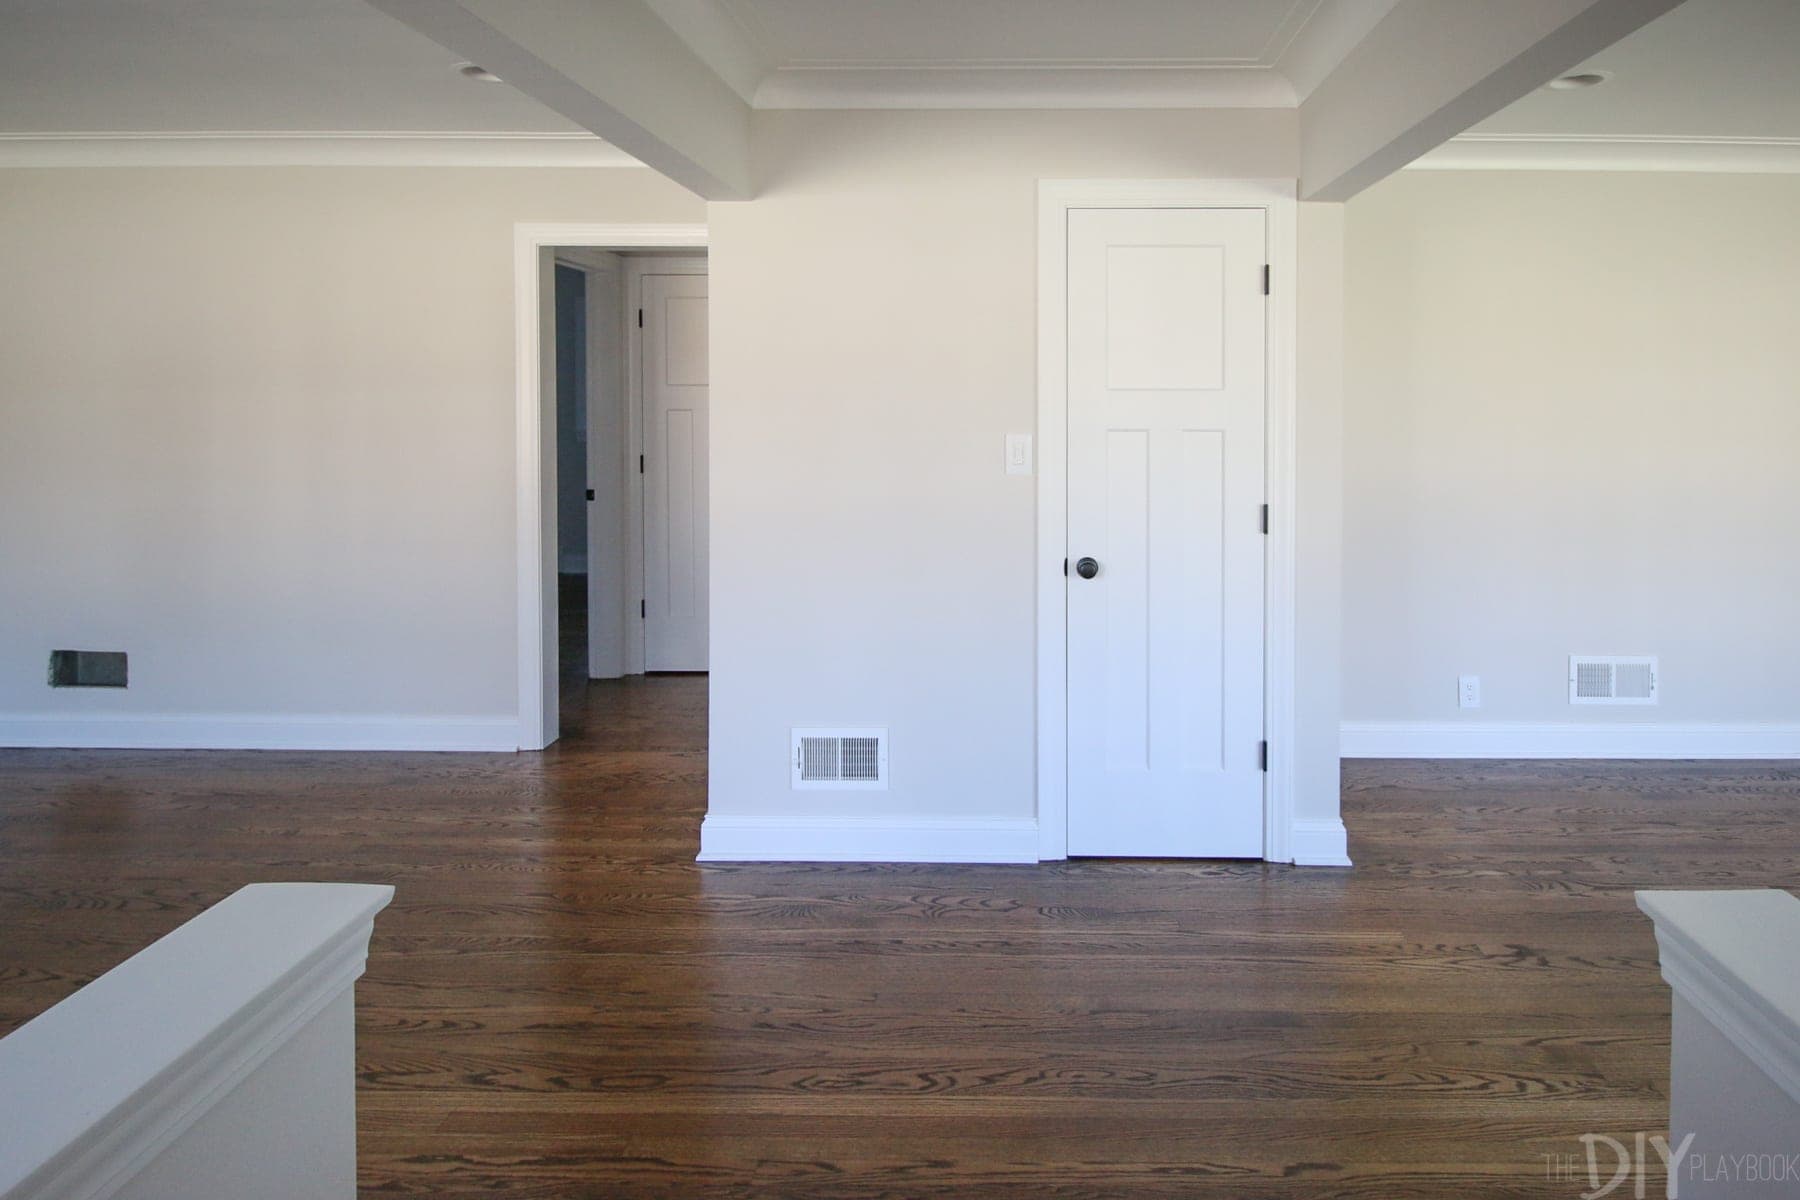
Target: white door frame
[(636, 645), (535, 453), (1055, 198)]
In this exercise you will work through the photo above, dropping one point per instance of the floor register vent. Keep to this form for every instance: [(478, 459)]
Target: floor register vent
[(840, 758), (1611, 679)]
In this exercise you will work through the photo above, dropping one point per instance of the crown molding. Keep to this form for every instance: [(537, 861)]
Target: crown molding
[(1595, 152), (1307, 45), (1020, 87), (204, 148)]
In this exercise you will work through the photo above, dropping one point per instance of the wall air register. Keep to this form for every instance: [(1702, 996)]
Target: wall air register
[(1612, 679), (840, 759), (87, 668)]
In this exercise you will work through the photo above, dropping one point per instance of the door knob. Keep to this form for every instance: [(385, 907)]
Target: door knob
[(1087, 568)]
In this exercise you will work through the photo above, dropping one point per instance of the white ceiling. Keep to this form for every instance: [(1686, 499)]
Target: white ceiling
[(1713, 77), (1021, 53), (240, 65), (1707, 69)]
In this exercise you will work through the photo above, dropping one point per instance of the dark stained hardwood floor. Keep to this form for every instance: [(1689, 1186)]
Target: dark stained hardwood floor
[(560, 1003)]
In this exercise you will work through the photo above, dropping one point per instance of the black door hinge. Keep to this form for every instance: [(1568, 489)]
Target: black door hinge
[(1262, 756), (643, 610), (1265, 279), (641, 311), (640, 464), (1265, 518), (1065, 568), (590, 492)]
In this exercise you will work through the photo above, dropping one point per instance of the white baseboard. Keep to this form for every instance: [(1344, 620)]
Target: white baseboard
[(1315, 843), (1521, 739), (1319, 843), (218, 731), (868, 839)]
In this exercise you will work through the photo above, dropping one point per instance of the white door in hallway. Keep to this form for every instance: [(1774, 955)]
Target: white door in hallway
[(675, 520), (1166, 377)]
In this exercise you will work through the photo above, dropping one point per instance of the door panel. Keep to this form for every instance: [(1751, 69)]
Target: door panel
[(1166, 332), (608, 543), (675, 484)]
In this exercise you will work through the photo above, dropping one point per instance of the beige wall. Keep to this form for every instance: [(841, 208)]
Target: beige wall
[(259, 434), (1572, 425), (256, 429), (873, 340)]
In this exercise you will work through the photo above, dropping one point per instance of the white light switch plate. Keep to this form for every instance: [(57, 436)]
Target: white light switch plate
[(1018, 454)]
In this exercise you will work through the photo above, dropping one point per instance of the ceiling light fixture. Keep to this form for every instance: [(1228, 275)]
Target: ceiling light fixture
[(1583, 79), (481, 74)]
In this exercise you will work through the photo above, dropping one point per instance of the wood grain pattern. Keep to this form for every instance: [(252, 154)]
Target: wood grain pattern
[(561, 1003)]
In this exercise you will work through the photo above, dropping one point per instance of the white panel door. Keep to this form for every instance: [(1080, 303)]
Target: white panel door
[(675, 537), (1166, 429)]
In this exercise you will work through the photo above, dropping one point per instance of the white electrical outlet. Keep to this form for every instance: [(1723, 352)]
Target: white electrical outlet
[(1468, 691)]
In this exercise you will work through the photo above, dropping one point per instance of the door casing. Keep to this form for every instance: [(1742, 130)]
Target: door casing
[(1055, 199)]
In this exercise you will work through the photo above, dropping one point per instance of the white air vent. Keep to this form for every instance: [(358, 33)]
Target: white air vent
[(1611, 679), (840, 758)]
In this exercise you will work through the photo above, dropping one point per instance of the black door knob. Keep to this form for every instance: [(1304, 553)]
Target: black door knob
[(1087, 568)]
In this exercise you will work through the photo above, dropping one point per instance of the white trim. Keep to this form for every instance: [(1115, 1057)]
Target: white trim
[(301, 148), (867, 839), (1588, 152), (275, 731), (1319, 843), (112, 1119), (1723, 952), (1283, 488), (1302, 48), (1526, 739), (636, 267), (1055, 198), (535, 530)]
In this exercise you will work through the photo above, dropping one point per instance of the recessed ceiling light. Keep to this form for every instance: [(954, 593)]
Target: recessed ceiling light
[(1584, 79), (482, 74)]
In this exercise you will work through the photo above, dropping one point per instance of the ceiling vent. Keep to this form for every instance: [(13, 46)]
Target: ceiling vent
[(840, 759), (1612, 679)]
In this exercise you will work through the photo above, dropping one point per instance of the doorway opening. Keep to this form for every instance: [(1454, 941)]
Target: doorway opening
[(612, 407), (631, 389)]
